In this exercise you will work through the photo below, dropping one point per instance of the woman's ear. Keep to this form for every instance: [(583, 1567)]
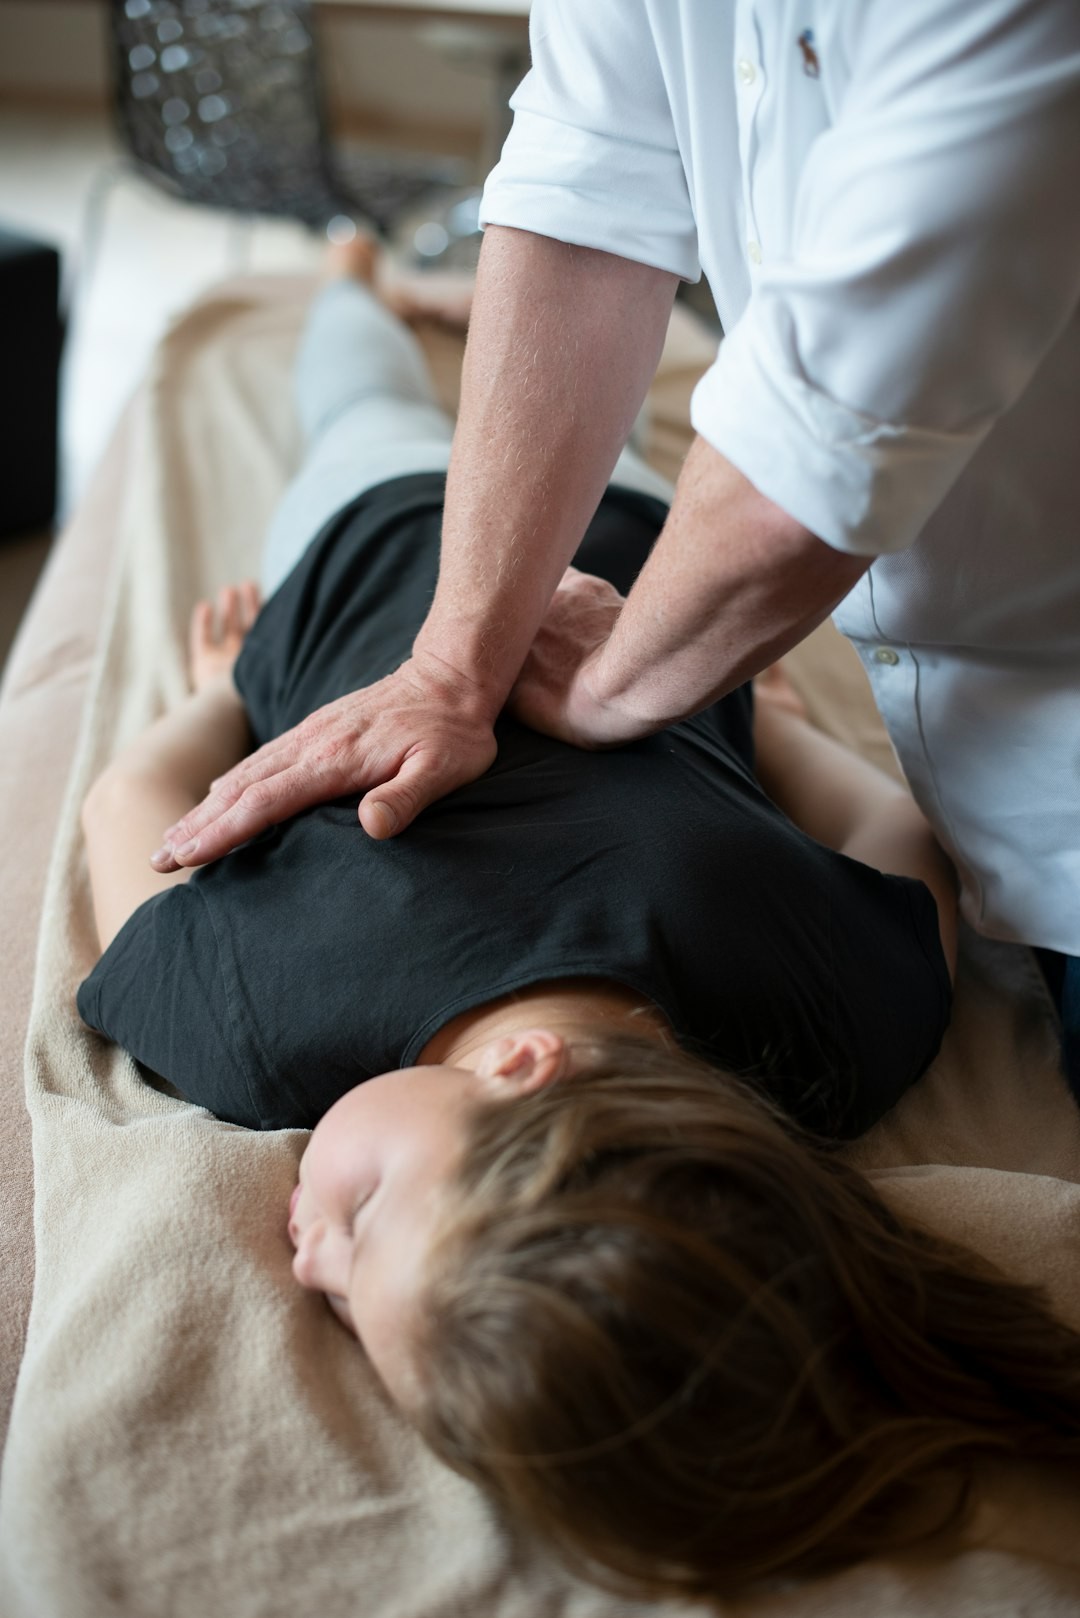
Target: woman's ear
[(523, 1063)]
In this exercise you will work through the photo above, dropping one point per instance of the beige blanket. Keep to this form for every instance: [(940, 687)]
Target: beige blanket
[(192, 1434)]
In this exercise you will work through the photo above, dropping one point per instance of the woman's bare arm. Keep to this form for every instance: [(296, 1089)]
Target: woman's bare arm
[(169, 768), (846, 803)]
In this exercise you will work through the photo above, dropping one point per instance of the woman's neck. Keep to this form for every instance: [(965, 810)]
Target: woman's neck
[(581, 1007)]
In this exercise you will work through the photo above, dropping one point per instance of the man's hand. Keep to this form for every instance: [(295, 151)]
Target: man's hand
[(405, 741), (553, 692)]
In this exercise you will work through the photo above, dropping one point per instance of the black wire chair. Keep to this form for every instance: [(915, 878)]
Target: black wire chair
[(219, 102)]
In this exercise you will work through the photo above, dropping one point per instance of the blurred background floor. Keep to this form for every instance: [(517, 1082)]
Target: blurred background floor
[(155, 257)]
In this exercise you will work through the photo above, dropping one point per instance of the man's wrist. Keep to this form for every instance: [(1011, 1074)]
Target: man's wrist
[(598, 717), (442, 664)]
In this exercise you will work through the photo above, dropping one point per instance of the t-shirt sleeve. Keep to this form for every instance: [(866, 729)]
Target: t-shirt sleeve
[(256, 678), (884, 997), (160, 992), (592, 157)]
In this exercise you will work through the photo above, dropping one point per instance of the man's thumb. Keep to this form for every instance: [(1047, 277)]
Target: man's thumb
[(379, 818), (392, 805)]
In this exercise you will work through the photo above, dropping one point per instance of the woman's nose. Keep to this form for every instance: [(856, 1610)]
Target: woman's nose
[(306, 1264)]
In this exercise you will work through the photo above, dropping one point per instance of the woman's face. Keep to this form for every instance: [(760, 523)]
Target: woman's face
[(365, 1210), (373, 1180)]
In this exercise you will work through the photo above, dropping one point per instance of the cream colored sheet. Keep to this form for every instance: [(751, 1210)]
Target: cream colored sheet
[(193, 1434)]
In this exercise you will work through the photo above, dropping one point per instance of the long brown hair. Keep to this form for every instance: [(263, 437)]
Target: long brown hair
[(688, 1346)]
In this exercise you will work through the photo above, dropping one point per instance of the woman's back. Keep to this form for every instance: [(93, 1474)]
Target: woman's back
[(312, 957)]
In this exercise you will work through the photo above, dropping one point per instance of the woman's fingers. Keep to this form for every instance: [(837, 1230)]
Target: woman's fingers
[(250, 602), (225, 624), (231, 613), (201, 628), (218, 629)]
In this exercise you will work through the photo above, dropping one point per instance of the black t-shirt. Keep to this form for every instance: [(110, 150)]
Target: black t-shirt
[(312, 957)]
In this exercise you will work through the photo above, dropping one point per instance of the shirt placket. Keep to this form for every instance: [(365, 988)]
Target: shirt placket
[(749, 89), (895, 674)]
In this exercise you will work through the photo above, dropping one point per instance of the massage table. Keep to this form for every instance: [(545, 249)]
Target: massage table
[(193, 1434)]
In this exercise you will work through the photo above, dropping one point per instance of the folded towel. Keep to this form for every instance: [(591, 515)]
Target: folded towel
[(192, 1433)]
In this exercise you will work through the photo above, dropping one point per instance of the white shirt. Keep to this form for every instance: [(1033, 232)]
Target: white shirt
[(885, 197)]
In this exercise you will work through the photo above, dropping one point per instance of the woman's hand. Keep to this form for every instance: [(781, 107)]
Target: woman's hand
[(554, 691), (403, 742), (217, 634)]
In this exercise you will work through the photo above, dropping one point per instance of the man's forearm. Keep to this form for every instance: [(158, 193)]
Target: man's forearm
[(733, 582), (563, 344)]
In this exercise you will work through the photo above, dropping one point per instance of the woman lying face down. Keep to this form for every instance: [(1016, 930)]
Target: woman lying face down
[(620, 1289), (631, 1292), (659, 1325), (375, 1178)]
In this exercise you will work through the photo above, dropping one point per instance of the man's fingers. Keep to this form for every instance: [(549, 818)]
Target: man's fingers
[(423, 777), (261, 804), (389, 808), (402, 739), (271, 762), (272, 759), (379, 819)]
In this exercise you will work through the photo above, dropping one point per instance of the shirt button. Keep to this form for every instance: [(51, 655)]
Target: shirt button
[(885, 654), (746, 70), (754, 251)]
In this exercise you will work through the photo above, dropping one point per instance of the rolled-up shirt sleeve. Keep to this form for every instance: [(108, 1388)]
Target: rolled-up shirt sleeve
[(592, 157), (930, 260)]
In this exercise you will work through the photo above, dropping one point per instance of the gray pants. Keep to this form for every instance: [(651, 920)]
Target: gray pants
[(369, 413)]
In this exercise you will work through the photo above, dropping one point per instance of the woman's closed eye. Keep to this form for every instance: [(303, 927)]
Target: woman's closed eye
[(358, 1209)]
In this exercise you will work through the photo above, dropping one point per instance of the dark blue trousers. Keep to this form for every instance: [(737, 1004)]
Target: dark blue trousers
[(1062, 974)]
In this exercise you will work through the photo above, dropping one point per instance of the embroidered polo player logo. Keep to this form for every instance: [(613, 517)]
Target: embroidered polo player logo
[(810, 61)]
